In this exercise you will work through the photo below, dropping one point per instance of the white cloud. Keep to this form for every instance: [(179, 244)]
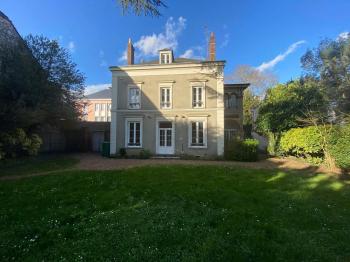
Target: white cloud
[(194, 53), (149, 45), (226, 40), (103, 62), (123, 57), (271, 64), (187, 54), (344, 36), (90, 89), (71, 47)]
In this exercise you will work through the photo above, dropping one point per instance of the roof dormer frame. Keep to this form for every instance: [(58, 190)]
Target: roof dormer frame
[(166, 56)]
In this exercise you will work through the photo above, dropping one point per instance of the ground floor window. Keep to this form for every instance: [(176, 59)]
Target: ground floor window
[(133, 133), (197, 133)]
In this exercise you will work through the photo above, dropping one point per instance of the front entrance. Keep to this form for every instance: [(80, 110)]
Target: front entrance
[(165, 138)]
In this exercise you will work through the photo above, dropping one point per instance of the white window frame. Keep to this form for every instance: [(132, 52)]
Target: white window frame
[(167, 57), (198, 85), (97, 107), (204, 120), (140, 99), (133, 120), (170, 88)]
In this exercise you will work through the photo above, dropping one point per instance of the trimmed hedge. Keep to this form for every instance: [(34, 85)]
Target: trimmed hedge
[(339, 147), (246, 150), (307, 143), (301, 142)]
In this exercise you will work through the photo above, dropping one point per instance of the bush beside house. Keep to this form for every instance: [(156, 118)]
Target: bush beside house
[(18, 143), (242, 150), (310, 143)]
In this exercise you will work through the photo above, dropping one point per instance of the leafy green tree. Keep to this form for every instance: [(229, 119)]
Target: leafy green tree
[(145, 7), (250, 104), (259, 83), (38, 85), (65, 81), (329, 63), (286, 105)]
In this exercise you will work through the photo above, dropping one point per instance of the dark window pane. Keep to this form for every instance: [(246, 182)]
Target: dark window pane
[(166, 124), (162, 137), (168, 138)]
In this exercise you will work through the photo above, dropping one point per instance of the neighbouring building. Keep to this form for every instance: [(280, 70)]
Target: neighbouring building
[(97, 106), (174, 106)]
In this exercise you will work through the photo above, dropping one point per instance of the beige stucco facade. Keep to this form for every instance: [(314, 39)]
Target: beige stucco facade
[(180, 79)]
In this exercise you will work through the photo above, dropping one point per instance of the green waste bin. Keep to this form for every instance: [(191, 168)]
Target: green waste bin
[(105, 149)]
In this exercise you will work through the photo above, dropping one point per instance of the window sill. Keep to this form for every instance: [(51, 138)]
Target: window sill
[(133, 146), (198, 147)]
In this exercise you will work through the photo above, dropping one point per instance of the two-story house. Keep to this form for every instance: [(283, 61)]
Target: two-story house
[(97, 106), (174, 106)]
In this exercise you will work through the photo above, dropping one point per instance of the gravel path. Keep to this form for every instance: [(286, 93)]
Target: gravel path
[(96, 162)]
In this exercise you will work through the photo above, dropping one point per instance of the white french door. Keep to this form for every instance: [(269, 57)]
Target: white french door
[(165, 138)]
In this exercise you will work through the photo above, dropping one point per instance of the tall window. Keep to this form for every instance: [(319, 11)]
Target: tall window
[(134, 133), (103, 107), (134, 97), (230, 101), (97, 107), (197, 97), (165, 97), (197, 133)]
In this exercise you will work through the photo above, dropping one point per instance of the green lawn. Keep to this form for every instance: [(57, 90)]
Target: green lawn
[(32, 165), (175, 213)]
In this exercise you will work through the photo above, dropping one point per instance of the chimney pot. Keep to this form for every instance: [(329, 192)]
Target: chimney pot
[(130, 53), (212, 47)]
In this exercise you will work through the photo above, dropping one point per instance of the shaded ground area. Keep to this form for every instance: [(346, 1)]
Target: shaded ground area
[(43, 164), (175, 213)]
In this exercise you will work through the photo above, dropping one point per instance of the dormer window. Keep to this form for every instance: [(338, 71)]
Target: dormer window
[(165, 56)]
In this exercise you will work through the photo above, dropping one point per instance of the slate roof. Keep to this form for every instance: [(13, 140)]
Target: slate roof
[(176, 60), (103, 94)]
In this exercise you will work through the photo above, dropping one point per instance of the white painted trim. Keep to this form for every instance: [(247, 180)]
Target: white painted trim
[(199, 110), (164, 69), (220, 114), (113, 125), (126, 137), (205, 131), (165, 85), (198, 84), (173, 121), (208, 64), (169, 55), (139, 86)]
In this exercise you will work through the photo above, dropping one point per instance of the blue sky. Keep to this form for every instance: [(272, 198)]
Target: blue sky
[(250, 32)]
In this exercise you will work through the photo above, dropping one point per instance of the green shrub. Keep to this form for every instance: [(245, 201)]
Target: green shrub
[(273, 144), (122, 152), (246, 150), (339, 147), (18, 143), (302, 142), (145, 154)]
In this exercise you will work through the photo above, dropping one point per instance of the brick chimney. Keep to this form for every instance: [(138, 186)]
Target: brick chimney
[(212, 54), (130, 53)]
